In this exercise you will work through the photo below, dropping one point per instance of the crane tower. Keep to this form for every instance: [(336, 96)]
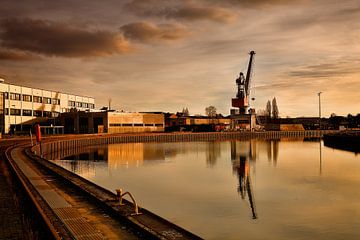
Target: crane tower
[(243, 88)]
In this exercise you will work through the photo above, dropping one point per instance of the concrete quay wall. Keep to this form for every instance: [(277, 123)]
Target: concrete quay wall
[(57, 149)]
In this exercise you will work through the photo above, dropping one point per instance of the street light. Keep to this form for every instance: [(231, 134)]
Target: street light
[(319, 94)]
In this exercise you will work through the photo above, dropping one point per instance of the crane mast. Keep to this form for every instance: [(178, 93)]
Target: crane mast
[(243, 84)]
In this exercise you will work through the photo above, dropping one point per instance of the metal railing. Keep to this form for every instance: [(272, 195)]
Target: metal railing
[(120, 195)]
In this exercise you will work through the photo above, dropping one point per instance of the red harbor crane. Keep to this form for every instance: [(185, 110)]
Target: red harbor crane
[(243, 83)]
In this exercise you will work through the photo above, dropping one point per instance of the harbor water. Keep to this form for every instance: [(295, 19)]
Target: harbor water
[(255, 189)]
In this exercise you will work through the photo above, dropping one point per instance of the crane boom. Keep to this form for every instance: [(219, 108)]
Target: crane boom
[(248, 73)]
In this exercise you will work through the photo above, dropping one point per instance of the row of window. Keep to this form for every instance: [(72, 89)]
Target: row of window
[(46, 100), (135, 125), (29, 98), (81, 104), (28, 112)]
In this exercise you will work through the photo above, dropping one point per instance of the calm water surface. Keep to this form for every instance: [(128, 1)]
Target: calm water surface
[(236, 190)]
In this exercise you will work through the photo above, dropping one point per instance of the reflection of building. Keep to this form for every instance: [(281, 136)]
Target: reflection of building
[(213, 152), (79, 166), (134, 154), (113, 156), (242, 153), (22, 106)]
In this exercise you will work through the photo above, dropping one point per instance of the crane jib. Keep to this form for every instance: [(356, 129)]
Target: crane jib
[(248, 73)]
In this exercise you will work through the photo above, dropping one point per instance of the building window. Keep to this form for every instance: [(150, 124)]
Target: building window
[(37, 99), (159, 125), (55, 114), (26, 98), (115, 124), (47, 100), (26, 112), (138, 124), (37, 113), (91, 105), (127, 124), (6, 111), (72, 103), (78, 104), (6, 95), (85, 105), (15, 96), (14, 112), (149, 125), (56, 101), (47, 114)]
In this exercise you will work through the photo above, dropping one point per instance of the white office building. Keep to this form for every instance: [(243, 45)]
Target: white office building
[(21, 107)]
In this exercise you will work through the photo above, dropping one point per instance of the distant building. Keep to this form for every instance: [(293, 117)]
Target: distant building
[(174, 122), (112, 122), (21, 107)]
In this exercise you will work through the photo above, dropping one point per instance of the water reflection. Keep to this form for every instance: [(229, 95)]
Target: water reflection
[(257, 189), (213, 152), (320, 158), (241, 157)]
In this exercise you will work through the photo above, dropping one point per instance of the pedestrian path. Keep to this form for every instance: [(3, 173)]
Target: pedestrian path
[(11, 219)]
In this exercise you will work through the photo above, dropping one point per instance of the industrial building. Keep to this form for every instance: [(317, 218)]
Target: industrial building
[(111, 122), (174, 122), (21, 107)]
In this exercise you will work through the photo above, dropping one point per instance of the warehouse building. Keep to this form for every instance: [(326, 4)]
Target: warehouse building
[(111, 122), (21, 107)]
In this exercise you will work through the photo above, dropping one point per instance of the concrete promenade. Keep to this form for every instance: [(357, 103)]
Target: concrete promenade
[(11, 219), (12, 225)]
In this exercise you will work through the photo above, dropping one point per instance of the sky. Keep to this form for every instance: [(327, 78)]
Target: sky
[(166, 55)]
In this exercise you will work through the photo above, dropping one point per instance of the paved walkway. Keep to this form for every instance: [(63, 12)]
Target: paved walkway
[(11, 224)]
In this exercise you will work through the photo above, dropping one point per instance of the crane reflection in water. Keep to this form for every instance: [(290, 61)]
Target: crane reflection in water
[(243, 158), (242, 153)]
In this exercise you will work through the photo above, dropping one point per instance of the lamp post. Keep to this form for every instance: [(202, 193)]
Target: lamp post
[(319, 94)]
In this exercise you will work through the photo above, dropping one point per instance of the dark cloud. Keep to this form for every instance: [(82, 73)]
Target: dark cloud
[(203, 13), (12, 55), (326, 70), (59, 39), (255, 3), (182, 10), (149, 32)]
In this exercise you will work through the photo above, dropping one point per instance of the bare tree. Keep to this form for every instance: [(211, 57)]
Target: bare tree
[(185, 112), (275, 110), (268, 109), (210, 111)]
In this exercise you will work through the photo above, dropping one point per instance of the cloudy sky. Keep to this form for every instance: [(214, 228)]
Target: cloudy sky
[(163, 55)]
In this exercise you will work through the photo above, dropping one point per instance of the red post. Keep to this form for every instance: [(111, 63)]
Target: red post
[(38, 136), (38, 133)]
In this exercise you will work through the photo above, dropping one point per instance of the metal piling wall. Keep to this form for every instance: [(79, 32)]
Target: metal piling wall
[(60, 148)]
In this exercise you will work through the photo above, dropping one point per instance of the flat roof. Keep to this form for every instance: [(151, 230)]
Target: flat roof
[(45, 89)]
